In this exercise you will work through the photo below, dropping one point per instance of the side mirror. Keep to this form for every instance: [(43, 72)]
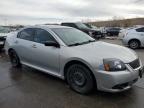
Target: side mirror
[(52, 43)]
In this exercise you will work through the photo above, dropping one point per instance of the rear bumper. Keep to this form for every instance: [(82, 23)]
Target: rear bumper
[(125, 42), (117, 81)]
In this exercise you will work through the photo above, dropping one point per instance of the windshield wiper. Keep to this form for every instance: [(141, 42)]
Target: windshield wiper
[(89, 41), (75, 44)]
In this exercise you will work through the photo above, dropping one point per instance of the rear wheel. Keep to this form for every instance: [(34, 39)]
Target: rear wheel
[(15, 61), (80, 79), (134, 44)]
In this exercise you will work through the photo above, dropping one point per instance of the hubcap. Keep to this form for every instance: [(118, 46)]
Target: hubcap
[(77, 77), (134, 44)]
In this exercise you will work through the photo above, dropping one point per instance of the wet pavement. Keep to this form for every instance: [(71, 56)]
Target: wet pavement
[(28, 88)]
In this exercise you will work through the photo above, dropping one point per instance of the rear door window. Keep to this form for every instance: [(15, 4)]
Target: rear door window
[(26, 34), (140, 29)]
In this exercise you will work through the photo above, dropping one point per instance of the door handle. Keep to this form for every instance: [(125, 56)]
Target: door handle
[(34, 46)]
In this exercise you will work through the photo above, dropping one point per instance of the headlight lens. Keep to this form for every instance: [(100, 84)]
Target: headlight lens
[(90, 33), (113, 65)]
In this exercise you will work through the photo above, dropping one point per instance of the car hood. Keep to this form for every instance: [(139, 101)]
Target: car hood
[(101, 50)]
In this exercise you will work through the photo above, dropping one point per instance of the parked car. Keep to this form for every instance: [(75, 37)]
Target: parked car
[(102, 35), (93, 33), (134, 38), (74, 56), (113, 31), (3, 33)]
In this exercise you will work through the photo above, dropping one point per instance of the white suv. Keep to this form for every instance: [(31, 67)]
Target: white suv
[(134, 38)]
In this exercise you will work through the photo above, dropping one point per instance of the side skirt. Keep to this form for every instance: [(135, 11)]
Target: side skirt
[(44, 70)]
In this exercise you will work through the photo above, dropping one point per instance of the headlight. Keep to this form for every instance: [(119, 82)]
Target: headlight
[(90, 33), (113, 65)]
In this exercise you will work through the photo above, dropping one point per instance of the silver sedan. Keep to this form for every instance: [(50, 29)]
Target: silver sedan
[(75, 57)]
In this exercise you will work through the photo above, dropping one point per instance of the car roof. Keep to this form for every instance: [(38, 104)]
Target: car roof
[(72, 23), (48, 26), (68, 23), (139, 27)]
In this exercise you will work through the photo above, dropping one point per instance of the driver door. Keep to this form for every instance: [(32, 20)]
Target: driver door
[(45, 57)]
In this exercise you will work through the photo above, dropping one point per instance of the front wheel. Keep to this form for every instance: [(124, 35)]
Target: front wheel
[(80, 79), (15, 61)]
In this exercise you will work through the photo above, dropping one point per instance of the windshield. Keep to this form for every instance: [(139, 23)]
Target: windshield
[(73, 37), (91, 26), (94, 27), (88, 25), (81, 25), (4, 30)]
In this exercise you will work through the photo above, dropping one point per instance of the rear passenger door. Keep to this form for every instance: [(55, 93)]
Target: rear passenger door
[(23, 45)]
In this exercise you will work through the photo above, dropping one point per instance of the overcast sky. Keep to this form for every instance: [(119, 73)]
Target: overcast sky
[(49, 11)]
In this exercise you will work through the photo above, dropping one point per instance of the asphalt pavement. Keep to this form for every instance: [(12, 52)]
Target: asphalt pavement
[(29, 88)]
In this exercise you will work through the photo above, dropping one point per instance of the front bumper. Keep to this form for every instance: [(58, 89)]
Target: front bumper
[(117, 81)]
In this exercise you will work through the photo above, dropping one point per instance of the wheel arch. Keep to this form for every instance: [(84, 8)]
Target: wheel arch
[(10, 49), (69, 63), (134, 39)]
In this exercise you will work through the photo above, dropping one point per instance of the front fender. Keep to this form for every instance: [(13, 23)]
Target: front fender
[(76, 59)]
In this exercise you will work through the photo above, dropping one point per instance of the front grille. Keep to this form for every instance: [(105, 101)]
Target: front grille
[(135, 64)]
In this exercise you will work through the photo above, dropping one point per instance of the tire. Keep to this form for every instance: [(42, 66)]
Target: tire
[(109, 34), (0, 49), (15, 61), (80, 78), (134, 44)]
